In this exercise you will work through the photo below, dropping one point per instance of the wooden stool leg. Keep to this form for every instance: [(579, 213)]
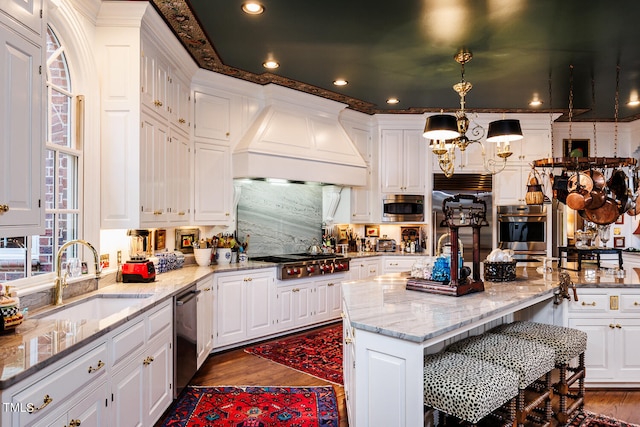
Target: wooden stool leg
[(562, 389)]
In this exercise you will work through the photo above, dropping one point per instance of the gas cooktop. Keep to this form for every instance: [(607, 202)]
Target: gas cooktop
[(280, 259), (295, 266)]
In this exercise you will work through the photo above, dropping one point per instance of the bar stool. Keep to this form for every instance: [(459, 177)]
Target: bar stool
[(528, 359), (568, 344), (468, 388)]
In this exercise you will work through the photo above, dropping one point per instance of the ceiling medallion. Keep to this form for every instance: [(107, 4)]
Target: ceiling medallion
[(448, 132)]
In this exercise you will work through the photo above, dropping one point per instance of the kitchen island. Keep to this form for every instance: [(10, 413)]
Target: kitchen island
[(388, 329)]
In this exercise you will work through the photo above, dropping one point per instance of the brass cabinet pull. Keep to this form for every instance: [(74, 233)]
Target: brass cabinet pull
[(157, 103), (157, 212), (4, 208), (100, 365), (74, 423), (181, 120), (618, 326), (148, 360), (295, 290), (247, 279), (636, 303), (181, 213), (612, 326), (331, 284), (348, 340), (589, 303), (45, 401)]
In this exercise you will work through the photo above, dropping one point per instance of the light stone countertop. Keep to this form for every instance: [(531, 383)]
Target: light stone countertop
[(38, 343), (382, 305)]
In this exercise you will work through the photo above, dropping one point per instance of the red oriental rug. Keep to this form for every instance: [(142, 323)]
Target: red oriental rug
[(589, 419), (255, 407), (318, 353)]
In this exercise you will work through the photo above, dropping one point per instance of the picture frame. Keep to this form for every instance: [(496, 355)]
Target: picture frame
[(372, 231), (618, 242), (185, 237), (342, 233), (620, 220), (575, 144), (160, 239)]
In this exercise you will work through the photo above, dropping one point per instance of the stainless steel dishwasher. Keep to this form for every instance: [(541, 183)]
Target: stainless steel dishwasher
[(185, 354)]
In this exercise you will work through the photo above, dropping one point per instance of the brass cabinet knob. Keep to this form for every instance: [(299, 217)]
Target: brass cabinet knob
[(148, 360), (618, 326), (589, 303), (348, 340), (74, 423), (612, 326), (4, 208)]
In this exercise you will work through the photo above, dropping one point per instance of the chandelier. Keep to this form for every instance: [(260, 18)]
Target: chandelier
[(448, 132)]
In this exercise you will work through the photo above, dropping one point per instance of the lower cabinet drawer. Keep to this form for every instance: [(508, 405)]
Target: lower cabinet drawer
[(50, 393), (588, 303), (127, 342), (630, 303)]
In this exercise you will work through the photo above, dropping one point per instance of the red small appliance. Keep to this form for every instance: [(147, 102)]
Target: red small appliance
[(138, 271)]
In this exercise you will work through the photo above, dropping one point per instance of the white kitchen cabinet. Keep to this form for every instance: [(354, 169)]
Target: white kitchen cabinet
[(123, 378), (535, 145), (136, 50), (611, 319), (329, 297), (213, 202), (28, 13), (154, 137), (363, 197), (244, 306), (349, 365), (468, 161), (180, 109), (403, 156), (205, 319), (398, 264), (22, 122), (362, 268), (178, 178), (510, 185), (90, 411), (212, 117), (142, 383), (303, 302)]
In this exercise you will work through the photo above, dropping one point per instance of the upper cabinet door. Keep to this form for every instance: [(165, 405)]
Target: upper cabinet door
[(212, 117), (21, 138), (27, 12)]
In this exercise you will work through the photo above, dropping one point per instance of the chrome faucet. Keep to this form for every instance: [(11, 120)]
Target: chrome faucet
[(61, 279)]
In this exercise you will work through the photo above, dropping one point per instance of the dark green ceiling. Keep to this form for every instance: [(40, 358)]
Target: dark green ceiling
[(405, 49)]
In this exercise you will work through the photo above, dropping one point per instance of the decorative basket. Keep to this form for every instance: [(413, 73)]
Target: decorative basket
[(500, 271)]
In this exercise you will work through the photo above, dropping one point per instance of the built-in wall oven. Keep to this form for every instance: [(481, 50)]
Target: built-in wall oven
[(403, 208), (523, 228)]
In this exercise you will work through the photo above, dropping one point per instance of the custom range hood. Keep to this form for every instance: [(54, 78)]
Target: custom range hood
[(297, 139)]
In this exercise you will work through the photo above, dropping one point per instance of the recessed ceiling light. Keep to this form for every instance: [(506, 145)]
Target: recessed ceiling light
[(393, 101), (340, 82), (252, 8), (535, 103), (634, 103), (270, 64)]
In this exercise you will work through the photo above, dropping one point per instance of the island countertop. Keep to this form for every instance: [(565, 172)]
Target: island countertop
[(383, 305)]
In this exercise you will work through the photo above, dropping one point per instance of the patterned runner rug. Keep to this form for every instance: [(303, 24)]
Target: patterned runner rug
[(255, 407), (589, 419), (318, 353)]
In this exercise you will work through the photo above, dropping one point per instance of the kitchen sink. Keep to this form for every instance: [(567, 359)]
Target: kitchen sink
[(96, 307)]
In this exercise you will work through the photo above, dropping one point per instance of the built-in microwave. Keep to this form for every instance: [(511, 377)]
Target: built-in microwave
[(403, 208)]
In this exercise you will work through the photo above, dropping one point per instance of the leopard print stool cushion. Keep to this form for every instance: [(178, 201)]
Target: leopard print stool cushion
[(567, 342), (466, 387), (530, 360)]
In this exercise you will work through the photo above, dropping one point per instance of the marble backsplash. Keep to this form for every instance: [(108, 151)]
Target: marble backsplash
[(280, 218)]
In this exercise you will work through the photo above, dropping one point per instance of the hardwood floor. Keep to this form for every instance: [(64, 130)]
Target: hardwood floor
[(237, 368)]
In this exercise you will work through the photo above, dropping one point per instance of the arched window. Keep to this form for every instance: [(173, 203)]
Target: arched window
[(27, 256)]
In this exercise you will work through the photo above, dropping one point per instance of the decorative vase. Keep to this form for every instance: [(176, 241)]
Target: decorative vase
[(223, 255)]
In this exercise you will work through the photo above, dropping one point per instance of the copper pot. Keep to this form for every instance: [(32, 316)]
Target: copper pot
[(580, 181), (606, 214), (598, 179), (576, 200), (594, 199)]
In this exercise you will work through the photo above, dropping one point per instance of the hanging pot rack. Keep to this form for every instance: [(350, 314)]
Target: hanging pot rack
[(584, 163)]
